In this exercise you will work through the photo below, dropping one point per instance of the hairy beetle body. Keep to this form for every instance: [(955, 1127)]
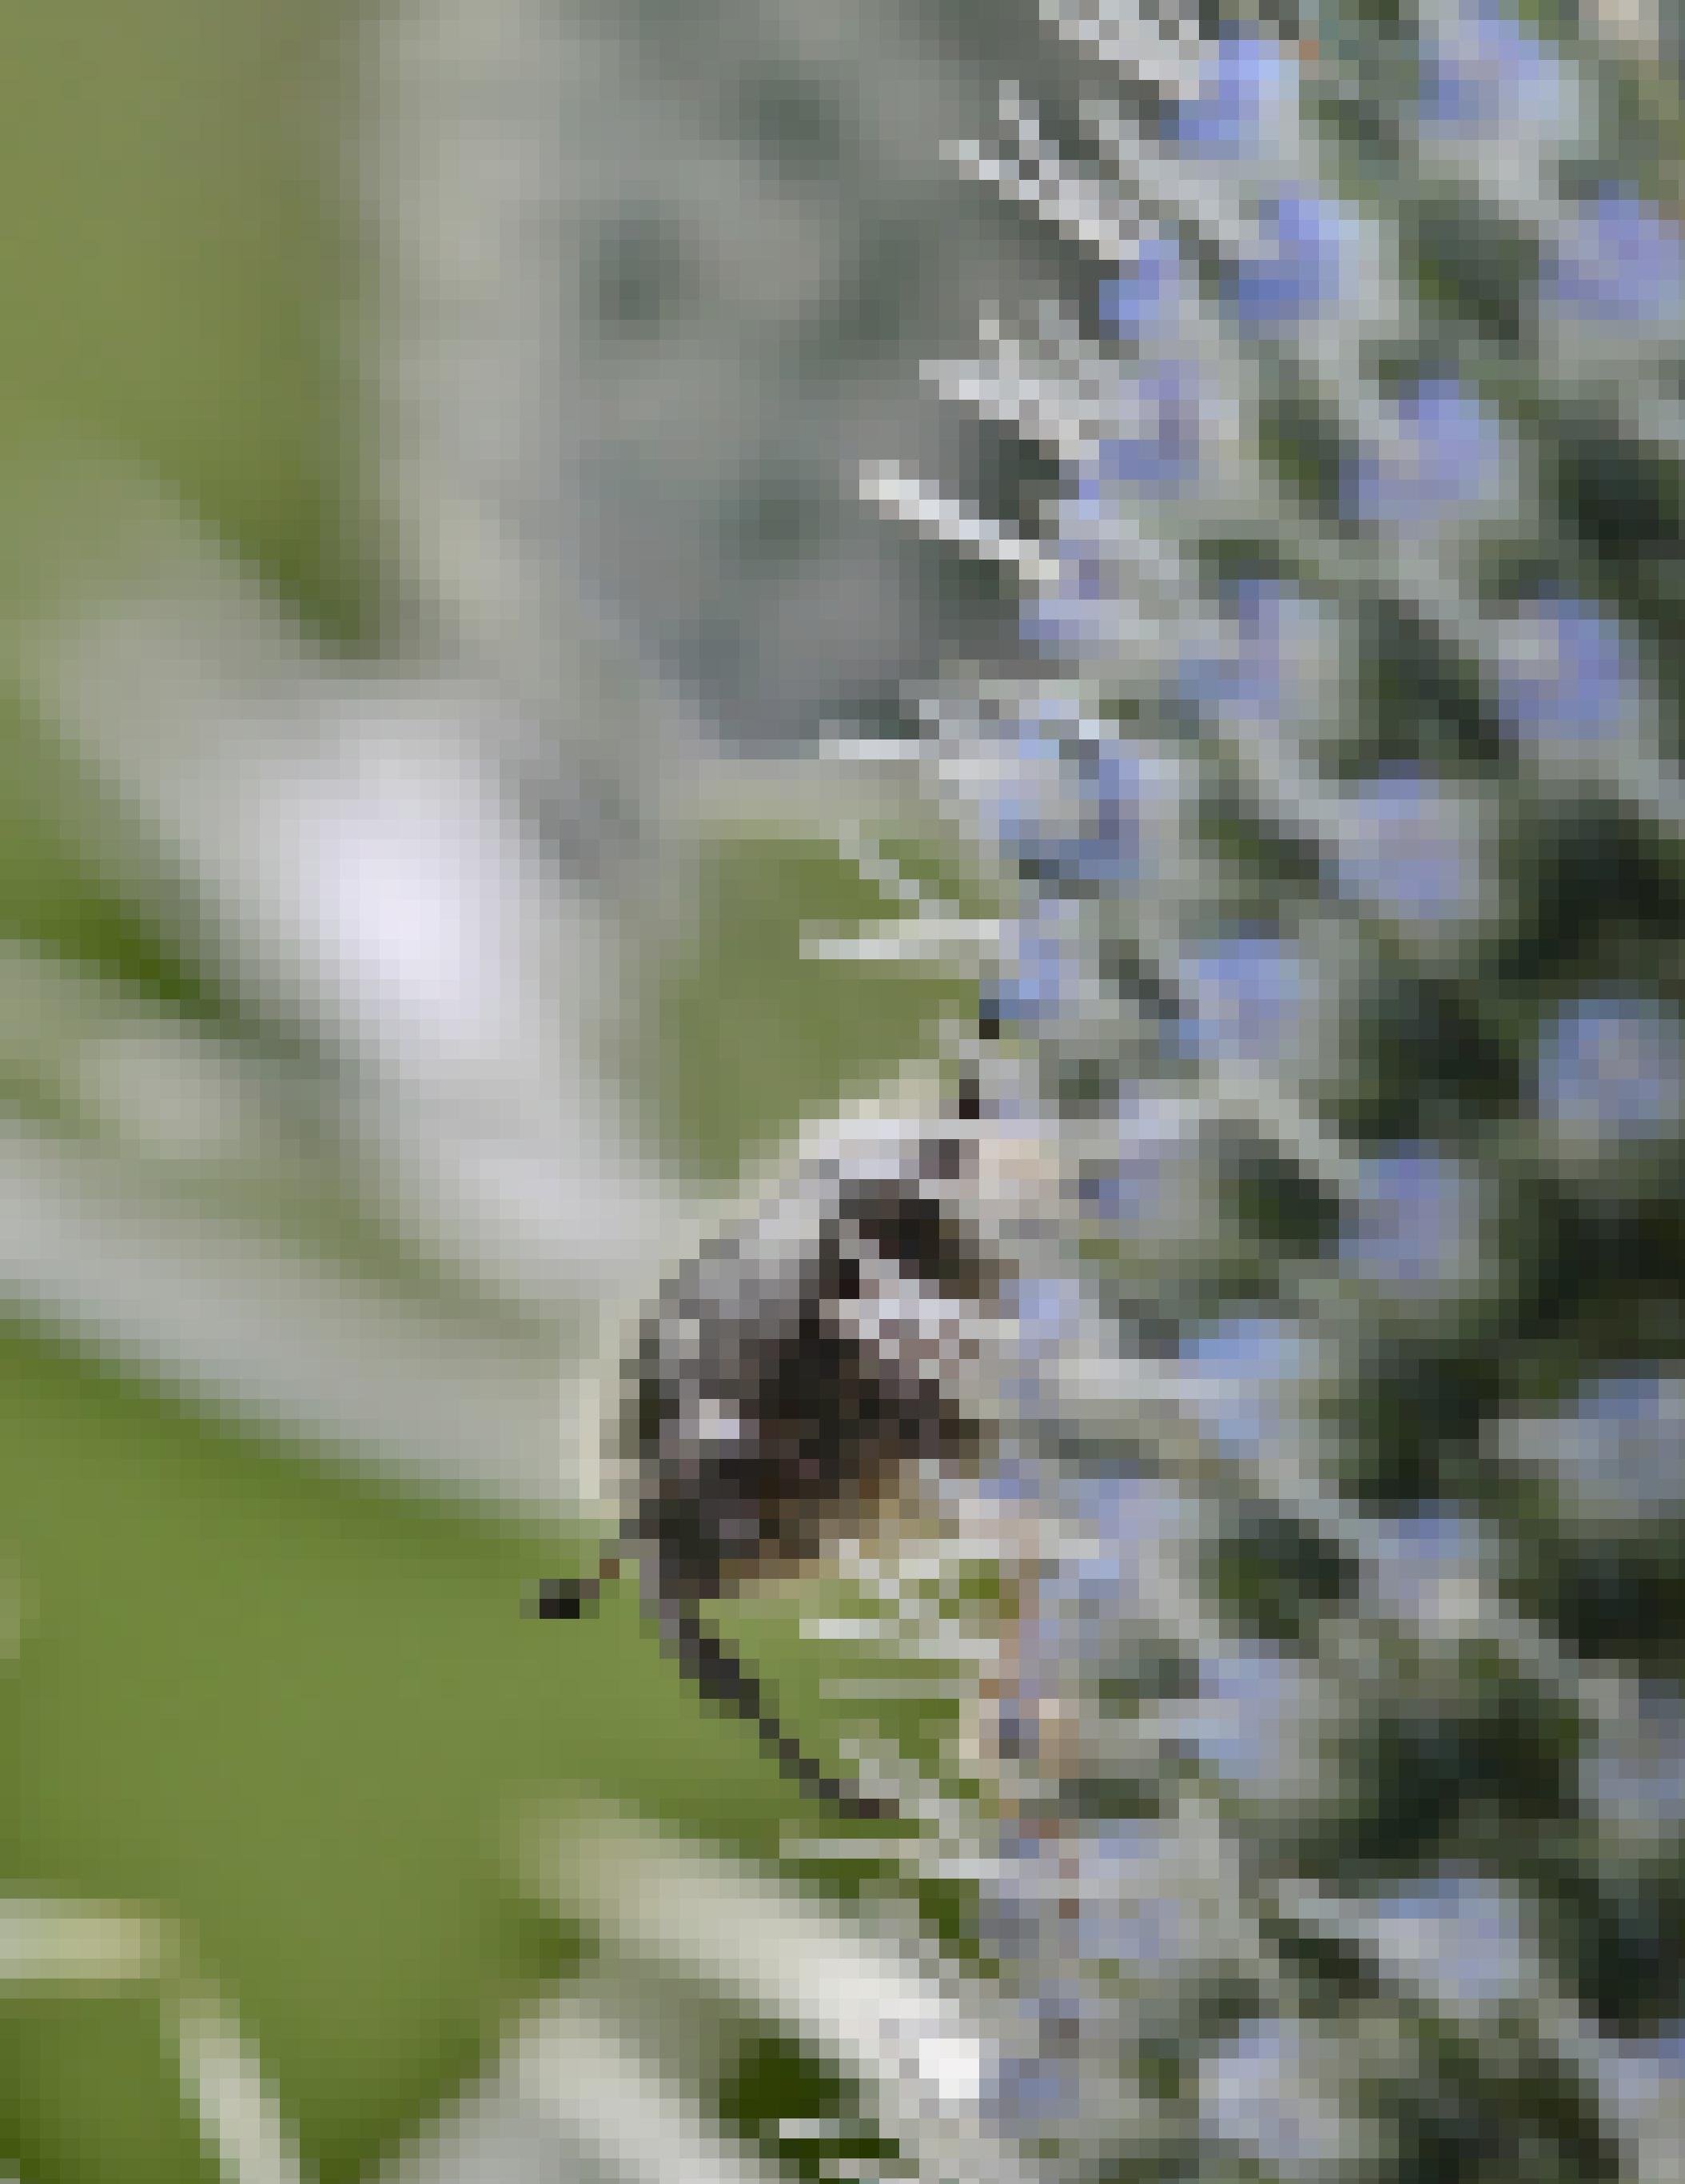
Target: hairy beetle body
[(800, 1377)]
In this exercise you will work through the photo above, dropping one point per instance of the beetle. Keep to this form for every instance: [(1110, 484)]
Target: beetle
[(797, 1381)]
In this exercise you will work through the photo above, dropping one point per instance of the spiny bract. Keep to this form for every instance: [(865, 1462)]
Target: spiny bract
[(1339, 810)]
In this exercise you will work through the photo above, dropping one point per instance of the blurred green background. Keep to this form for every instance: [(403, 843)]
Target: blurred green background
[(288, 1706)]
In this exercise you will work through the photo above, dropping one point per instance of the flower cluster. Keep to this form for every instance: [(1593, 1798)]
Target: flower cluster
[(1340, 980)]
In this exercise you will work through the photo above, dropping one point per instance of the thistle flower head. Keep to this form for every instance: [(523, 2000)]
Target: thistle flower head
[(1358, 1129)]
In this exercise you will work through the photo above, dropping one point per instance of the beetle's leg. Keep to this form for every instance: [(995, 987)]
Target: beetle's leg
[(720, 1677)]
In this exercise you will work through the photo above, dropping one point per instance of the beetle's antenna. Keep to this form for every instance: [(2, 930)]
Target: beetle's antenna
[(565, 1599)]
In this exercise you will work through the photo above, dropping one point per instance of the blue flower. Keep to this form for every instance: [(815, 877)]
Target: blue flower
[(1265, 674), (1571, 676), (1092, 598), (1412, 1223), (1611, 1453), (1618, 262), (1127, 1919), (1627, 1399), (1030, 759), (1012, 1481), (1068, 627), (1250, 1349), (1458, 1934), (1163, 453), (1080, 613), (1254, 1704), (1041, 965), (1407, 848), (1253, 2096), (1420, 1553), (1623, 1450), (1246, 998), (1044, 1314), (1144, 295), (1632, 1773), (1258, 603), (1612, 1066), (1032, 2090), (1444, 454), (1127, 1511), (1045, 1310), (1639, 2078), (1076, 812), (1118, 793), (1249, 1368), (1115, 1875), (1297, 272), (1484, 76), (1144, 1190), (1245, 108)]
